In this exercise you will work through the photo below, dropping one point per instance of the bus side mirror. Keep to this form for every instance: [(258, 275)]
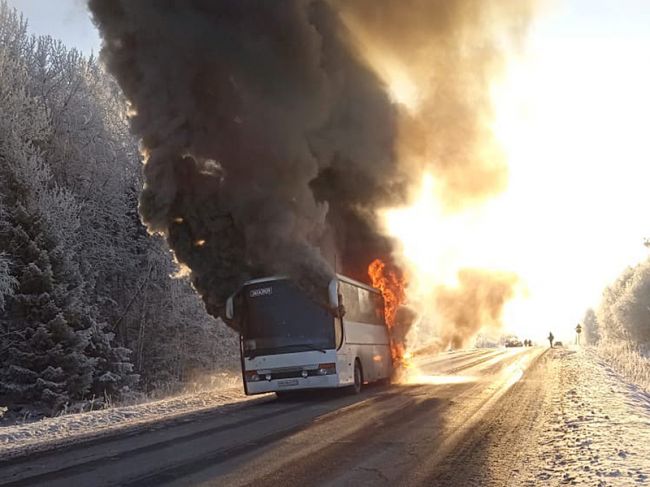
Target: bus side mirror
[(333, 294), (230, 310), (335, 299)]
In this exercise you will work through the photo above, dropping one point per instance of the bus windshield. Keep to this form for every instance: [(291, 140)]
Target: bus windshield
[(280, 318)]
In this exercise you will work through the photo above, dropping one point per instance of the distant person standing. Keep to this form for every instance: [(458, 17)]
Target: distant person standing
[(550, 338)]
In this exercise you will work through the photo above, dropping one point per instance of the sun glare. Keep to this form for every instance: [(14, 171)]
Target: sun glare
[(572, 119)]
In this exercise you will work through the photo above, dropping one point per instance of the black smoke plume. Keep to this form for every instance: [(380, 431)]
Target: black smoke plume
[(273, 130), (268, 144)]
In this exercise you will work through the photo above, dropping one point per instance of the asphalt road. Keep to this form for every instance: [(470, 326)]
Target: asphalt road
[(464, 420)]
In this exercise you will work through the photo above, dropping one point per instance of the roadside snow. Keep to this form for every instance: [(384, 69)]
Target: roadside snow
[(597, 431), (19, 439)]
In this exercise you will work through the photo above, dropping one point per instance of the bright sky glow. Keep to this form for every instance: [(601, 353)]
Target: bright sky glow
[(572, 118)]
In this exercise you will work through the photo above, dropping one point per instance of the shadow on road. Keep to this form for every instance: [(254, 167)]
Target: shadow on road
[(324, 395)]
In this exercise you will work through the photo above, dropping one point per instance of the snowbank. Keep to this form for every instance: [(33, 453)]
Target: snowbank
[(597, 430), (48, 432)]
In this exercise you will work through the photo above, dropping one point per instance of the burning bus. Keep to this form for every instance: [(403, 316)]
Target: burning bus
[(292, 340)]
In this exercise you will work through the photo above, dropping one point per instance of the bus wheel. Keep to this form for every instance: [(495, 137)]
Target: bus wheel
[(358, 377)]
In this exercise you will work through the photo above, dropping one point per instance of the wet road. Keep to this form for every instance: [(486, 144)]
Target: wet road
[(462, 419)]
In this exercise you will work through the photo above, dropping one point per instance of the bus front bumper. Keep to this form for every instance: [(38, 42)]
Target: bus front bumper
[(292, 384)]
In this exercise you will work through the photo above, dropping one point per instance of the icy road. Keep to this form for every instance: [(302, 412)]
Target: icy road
[(498, 417)]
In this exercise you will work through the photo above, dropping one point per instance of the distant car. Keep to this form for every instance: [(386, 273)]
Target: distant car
[(558, 344), (513, 342)]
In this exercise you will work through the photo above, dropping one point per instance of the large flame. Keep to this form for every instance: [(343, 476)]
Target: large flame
[(392, 284)]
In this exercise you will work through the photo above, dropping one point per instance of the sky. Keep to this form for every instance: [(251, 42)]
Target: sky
[(571, 115), (66, 20), (598, 18)]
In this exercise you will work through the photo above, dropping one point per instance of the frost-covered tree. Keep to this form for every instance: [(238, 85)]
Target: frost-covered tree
[(7, 280), (624, 312), (46, 334), (632, 308), (43, 363), (75, 257), (54, 350), (611, 327), (623, 324), (591, 331), (174, 339), (92, 155)]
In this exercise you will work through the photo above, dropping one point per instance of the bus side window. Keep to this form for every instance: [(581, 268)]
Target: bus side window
[(351, 301), (367, 307)]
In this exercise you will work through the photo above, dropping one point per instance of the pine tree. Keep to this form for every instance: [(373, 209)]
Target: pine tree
[(44, 365)]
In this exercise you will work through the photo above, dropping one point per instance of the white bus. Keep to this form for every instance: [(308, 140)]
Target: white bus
[(290, 341)]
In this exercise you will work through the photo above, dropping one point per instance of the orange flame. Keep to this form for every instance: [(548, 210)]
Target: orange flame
[(392, 286)]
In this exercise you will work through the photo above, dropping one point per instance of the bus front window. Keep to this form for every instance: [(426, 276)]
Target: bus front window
[(280, 318)]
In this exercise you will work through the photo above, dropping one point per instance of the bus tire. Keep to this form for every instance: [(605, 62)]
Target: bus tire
[(358, 377)]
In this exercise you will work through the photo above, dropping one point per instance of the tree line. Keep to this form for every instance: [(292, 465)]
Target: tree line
[(91, 306), (624, 311), (619, 327)]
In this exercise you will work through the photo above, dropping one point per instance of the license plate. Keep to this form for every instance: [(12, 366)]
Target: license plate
[(288, 383)]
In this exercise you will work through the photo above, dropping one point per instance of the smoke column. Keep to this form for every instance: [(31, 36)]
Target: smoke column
[(272, 133), (476, 303), (439, 60), (258, 127)]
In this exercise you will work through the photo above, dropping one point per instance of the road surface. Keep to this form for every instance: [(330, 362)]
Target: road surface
[(464, 418)]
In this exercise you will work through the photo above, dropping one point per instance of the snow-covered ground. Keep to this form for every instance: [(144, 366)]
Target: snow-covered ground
[(597, 426), (593, 427), (70, 428)]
